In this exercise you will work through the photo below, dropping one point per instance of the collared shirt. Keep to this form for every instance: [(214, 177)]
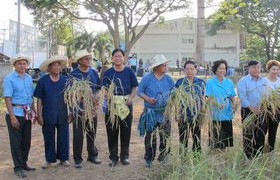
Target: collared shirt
[(221, 92), (90, 75), (250, 90), (20, 89), (156, 88), (196, 88), (52, 95)]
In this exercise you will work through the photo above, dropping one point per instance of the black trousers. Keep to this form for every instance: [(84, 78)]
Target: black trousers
[(253, 136), (79, 130), (185, 128), (220, 134), (124, 126), (20, 141), (272, 125), (151, 142)]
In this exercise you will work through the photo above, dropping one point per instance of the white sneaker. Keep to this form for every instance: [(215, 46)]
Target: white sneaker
[(64, 163), (46, 165)]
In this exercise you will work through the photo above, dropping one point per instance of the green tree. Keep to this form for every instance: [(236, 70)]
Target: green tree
[(256, 17), (55, 26), (254, 48), (118, 15), (103, 45)]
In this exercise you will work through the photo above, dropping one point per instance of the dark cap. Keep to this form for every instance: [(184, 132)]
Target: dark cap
[(253, 63)]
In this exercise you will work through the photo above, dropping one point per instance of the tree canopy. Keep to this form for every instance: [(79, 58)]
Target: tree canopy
[(256, 17), (118, 15)]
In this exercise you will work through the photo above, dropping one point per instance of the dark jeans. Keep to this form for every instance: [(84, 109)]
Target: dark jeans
[(272, 125), (253, 136), (124, 126), (61, 149), (20, 140), (151, 142), (184, 131), (79, 129)]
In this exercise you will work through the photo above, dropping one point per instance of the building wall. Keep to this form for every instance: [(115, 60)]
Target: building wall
[(5, 68), (176, 39)]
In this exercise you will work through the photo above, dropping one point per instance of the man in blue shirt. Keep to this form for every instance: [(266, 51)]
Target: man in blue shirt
[(154, 89), (18, 91), (250, 91), (52, 111), (85, 71)]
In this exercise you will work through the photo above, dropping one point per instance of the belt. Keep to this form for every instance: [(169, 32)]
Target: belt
[(18, 105)]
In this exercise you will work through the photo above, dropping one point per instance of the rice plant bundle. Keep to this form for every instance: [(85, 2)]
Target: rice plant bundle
[(180, 101), (116, 105), (269, 106), (79, 98)]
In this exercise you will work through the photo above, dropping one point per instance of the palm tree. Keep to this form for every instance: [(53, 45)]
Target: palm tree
[(103, 45)]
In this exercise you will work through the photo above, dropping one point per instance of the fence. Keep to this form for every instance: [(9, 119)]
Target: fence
[(5, 68)]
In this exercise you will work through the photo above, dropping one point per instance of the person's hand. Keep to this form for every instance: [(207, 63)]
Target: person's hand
[(96, 101), (255, 110), (129, 101), (151, 100), (40, 120), (221, 106), (15, 122)]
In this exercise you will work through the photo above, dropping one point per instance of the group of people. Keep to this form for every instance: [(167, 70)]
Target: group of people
[(155, 89)]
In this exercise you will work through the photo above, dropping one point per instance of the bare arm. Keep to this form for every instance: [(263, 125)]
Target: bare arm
[(132, 95), (148, 99), (39, 111), (14, 120)]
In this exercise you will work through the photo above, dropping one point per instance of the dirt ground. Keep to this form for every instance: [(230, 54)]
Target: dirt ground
[(136, 170)]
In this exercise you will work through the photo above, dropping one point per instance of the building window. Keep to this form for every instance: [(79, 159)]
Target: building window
[(187, 59), (188, 24), (187, 40), (173, 25)]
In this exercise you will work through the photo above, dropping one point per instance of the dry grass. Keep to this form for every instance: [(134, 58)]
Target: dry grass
[(79, 99)]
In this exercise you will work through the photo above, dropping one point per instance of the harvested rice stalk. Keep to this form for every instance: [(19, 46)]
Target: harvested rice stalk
[(180, 101), (116, 105), (79, 98), (269, 106)]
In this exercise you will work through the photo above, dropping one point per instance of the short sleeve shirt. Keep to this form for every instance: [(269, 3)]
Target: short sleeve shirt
[(20, 89), (197, 89), (52, 95), (156, 88), (124, 80), (91, 75)]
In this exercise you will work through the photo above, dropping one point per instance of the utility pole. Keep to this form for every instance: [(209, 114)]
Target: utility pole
[(4, 38), (18, 29), (200, 32)]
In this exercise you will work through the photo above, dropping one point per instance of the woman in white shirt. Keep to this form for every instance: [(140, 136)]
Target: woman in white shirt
[(273, 82)]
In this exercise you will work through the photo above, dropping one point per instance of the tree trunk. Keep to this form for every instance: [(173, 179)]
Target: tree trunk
[(199, 55)]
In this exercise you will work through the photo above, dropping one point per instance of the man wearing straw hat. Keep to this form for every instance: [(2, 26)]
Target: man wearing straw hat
[(85, 71), (155, 88), (18, 91), (52, 111)]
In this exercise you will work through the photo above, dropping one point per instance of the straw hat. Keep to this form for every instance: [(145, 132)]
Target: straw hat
[(20, 57), (61, 59), (81, 54), (158, 60)]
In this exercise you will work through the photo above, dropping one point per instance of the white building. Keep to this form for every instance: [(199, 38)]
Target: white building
[(176, 39)]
